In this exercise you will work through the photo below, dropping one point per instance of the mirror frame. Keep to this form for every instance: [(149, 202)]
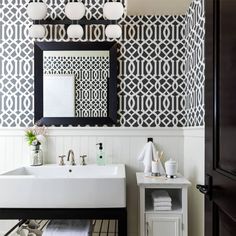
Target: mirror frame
[(39, 48)]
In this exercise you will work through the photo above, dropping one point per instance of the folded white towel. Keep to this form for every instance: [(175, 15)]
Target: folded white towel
[(161, 196), (157, 204), (162, 208), (68, 228)]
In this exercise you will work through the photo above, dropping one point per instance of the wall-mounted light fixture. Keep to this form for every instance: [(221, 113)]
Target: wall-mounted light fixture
[(75, 19), (36, 12), (113, 11), (74, 10)]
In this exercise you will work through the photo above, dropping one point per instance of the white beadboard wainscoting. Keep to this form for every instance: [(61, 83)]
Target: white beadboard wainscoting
[(121, 145), (194, 170)]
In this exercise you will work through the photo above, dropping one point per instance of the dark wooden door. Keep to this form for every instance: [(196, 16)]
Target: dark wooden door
[(220, 98)]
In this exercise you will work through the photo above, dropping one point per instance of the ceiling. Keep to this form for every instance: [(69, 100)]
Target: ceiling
[(158, 7)]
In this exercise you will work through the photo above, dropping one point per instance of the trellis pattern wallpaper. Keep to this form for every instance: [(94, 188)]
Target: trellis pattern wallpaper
[(152, 66), (90, 85), (195, 64)]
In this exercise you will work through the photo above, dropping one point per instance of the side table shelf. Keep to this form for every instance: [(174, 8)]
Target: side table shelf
[(158, 223)]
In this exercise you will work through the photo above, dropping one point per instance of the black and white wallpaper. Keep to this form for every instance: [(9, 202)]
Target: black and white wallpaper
[(195, 64), (155, 87)]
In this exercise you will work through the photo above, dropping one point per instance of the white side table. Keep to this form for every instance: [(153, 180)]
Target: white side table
[(163, 223)]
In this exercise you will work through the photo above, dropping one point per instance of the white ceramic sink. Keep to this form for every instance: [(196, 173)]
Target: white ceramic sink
[(53, 186)]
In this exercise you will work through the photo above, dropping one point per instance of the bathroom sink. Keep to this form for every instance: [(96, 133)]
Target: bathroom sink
[(53, 186)]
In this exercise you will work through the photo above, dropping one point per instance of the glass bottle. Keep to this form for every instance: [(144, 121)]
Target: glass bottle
[(100, 155), (36, 155)]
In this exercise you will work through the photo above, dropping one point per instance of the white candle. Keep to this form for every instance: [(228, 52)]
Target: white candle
[(155, 169)]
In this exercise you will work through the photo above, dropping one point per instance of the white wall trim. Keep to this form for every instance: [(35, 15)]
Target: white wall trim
[(112, 131), (99, 131), (194, 132)]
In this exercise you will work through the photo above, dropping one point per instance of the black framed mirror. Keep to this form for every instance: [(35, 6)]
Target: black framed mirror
[(75, 83)]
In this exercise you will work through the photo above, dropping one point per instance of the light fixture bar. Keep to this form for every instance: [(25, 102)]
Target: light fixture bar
[(75, 19), (67, 21)]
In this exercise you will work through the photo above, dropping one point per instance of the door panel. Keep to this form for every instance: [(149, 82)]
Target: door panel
[(226, 61), (227, 225), (168, 225), (220, 135)]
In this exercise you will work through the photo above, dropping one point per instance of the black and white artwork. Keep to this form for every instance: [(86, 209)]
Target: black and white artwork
[(58, 95)]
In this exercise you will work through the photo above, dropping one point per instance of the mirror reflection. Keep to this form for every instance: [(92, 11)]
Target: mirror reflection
[(75, 83)]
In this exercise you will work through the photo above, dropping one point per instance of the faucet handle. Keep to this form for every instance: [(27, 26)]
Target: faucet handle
[(61, 162), (83, 163)]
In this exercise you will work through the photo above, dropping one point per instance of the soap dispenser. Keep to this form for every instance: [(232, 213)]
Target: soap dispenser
[(100, 155)]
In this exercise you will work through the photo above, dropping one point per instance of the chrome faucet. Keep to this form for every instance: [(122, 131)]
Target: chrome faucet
[(71, 153)]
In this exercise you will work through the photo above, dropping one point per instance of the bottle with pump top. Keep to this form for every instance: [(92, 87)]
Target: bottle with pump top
[(100, 155)]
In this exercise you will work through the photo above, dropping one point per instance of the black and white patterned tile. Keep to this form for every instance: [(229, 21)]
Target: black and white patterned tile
[(152, 54)]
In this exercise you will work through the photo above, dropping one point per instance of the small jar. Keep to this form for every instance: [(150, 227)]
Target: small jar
[(171, 168), (36, 155)]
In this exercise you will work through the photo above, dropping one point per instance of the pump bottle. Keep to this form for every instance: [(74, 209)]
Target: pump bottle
[(100, 155)]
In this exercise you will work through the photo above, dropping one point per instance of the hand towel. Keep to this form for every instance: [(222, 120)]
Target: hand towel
[(157, 204), (160, 196), (162, 208), (149, 154), (146, 156), (68, 228)]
